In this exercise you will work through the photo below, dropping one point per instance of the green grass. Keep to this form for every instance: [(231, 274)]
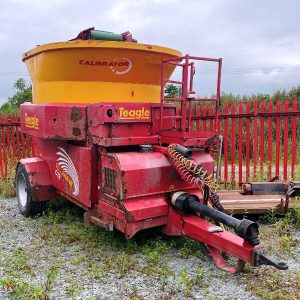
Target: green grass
[(7, 185), (278, 240), (268, 284)]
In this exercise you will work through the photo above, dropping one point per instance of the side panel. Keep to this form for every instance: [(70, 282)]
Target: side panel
[(70, 167), (62, 122), (120, 124), (134, 174)]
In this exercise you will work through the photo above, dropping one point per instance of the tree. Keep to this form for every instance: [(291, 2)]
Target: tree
[(172, 91), (23, 94), (298, 92)]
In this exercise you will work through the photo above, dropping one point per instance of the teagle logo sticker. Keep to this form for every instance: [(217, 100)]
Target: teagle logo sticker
[(134, 114), (118, 66), (32, 122), (65, 169)]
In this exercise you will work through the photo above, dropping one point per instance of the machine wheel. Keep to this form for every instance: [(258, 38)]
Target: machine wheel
[(27, 206)]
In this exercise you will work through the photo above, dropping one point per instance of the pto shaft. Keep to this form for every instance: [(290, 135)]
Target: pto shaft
[(244, 228)]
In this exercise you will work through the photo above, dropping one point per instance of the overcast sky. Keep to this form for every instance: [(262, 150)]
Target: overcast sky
[(259, 41)]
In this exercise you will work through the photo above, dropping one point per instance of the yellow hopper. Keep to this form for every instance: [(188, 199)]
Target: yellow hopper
[(93, 71)]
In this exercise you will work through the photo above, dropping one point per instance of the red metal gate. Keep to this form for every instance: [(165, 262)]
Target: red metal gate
[(260, 139), (13, 144)]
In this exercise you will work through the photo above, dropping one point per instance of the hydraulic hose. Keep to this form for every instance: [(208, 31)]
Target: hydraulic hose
[(194, 173)]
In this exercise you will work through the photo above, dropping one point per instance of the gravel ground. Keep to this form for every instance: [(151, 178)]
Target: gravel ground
[(74, 280)]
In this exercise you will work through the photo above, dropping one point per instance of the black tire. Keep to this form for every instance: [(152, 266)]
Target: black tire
[(27, 206)]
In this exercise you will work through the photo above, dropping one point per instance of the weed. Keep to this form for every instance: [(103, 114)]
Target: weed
[(269, 218), (124, 263), (73, 290), (50, 280), (276, 242), (199, 278), (23, 290), (268, 284), (18, 289), (96, 270), (18, 262), (293, 218), (77, 260), (134, 295), (191, 247), (154, 250), (188, 282), (277, 236)]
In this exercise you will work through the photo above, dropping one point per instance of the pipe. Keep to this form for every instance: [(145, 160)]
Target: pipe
[(219, 159), (186, 152)]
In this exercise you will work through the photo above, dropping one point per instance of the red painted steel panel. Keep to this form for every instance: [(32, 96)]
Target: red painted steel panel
[(168, 115), (151, 173), (187, 139), (198, 229), (140, 126), (147, 207), (39, 178), (104, 207), (62, 122), (70, 167)]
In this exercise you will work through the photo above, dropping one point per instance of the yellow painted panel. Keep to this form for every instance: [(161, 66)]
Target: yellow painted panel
[(95, 71)]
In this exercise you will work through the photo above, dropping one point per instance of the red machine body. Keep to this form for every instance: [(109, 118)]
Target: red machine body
[(110, 159)]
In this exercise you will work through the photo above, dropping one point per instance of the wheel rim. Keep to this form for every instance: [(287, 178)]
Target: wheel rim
[(22, 190)]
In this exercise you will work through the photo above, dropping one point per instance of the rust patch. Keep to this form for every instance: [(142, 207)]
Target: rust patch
[(76, 114), (76, 131)]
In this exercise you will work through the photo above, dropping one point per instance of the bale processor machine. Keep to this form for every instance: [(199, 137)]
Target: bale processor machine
[(107, 139)]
